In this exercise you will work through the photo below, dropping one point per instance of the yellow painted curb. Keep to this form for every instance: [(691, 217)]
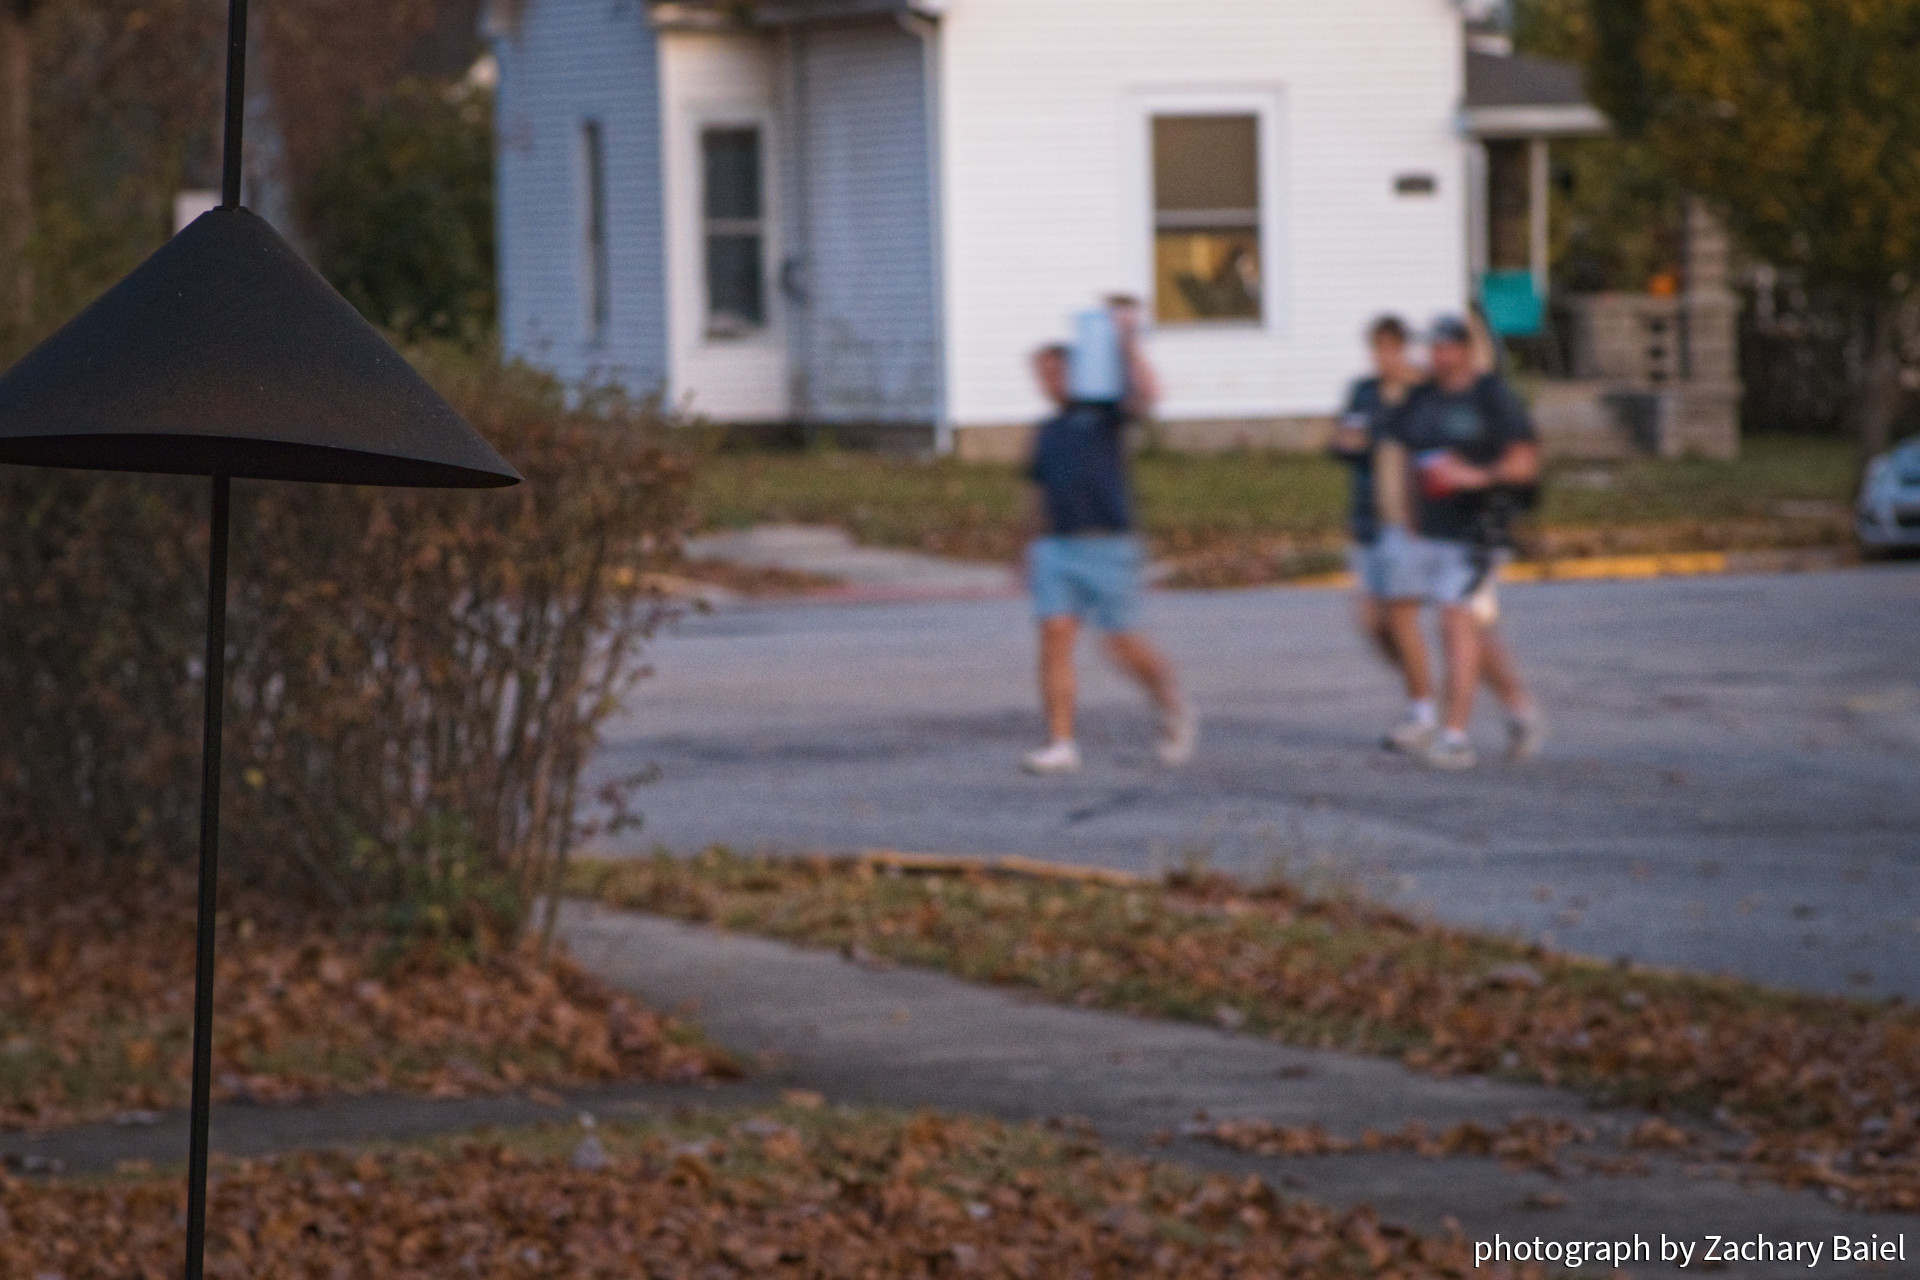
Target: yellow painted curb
[(1678, 564), (1684, 564)]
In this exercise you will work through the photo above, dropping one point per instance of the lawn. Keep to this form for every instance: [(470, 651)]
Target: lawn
[(1822, 1089), (1264, 516), (796, 1191)]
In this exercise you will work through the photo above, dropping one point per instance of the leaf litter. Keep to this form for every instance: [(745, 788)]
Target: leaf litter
[(96, 996), (806, 1192), (1803, 1090)]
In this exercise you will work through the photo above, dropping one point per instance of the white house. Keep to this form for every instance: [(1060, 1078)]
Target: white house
[(868, 212)]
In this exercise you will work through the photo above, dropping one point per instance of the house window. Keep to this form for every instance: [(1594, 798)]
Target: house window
[(599, 293), (1206, 218), (734, 225)]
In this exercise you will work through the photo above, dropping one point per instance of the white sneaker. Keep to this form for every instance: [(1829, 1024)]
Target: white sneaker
[(1450, 752), (1179, 738), (1412, 737), (1061, 757), (1526, 735)]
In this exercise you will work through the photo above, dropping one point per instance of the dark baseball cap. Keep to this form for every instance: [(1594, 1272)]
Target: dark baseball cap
[(1450, 329)]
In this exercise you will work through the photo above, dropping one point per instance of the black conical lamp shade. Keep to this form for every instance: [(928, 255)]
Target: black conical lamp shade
[(226, 354)]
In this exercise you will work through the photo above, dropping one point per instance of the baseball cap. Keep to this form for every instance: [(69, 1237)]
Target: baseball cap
[(1449, 329)]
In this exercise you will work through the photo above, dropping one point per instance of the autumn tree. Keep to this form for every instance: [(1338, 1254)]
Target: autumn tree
[(1800, 120)]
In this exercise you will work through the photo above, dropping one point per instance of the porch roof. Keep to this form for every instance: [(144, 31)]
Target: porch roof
[(1518, 95)]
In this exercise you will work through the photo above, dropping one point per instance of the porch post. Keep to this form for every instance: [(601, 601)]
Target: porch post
[(1539, 193)]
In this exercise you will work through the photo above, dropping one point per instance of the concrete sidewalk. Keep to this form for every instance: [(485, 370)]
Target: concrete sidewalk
[(905, 1038)]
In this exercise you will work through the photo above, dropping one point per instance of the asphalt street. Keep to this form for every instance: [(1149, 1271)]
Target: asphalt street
[(1733, 783)]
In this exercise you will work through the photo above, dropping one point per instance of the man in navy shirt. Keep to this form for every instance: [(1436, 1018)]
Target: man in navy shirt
[(1472, 444), (1390, 621), (1087, 560)]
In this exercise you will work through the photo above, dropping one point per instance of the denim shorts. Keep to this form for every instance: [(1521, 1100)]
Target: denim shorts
[(1437, 570), (1369, 564), (1087, 576)]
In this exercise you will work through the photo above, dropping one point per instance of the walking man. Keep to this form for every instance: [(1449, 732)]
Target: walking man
[(1473, 449), (1389, 614), (1086, 561)]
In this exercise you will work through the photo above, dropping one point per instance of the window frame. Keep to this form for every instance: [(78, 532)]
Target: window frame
[(705, 228), (596, 276), (1267, 105)]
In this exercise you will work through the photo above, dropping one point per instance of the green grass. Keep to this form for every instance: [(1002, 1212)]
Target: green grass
[(1771, 470), (1192, 503)]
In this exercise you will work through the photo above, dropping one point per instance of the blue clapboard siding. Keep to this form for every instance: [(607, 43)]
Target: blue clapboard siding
[(563, 62), (868, 341)]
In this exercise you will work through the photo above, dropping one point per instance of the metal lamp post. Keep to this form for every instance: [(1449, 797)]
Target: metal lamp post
[(225, 355)]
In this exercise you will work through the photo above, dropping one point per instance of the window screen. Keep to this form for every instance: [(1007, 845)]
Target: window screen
[(1206, 209), (598, 287), (733, 210)]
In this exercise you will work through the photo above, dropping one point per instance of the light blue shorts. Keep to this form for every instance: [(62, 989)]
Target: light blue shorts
[(1368, 563), (1092, 576), (1436, 570)]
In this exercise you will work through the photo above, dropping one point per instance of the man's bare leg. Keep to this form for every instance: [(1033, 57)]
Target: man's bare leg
[(1460, 639), (1410, 646), (1059, 687), (1134, 654), (1502, 675), (1526, 727), (1371, 614)]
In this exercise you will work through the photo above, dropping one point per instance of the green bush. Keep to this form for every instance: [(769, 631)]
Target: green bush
[(417, 675), (402, 214)]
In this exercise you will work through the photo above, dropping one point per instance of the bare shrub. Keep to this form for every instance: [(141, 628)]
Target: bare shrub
[(417, 676)]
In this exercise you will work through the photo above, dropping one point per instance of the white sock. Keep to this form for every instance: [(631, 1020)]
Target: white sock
[(1454, 737), (1424, 713)]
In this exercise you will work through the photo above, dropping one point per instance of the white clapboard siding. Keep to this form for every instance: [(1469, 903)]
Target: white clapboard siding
[(1047, 195), (867, 333), (563, 62)]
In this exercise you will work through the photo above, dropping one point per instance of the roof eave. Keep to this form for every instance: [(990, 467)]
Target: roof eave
[(1559, 121)]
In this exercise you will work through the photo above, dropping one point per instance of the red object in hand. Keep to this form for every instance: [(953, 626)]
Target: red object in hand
[(1437, 475)]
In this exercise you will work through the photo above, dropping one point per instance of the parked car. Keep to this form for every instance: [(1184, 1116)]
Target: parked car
[(1889, 507)]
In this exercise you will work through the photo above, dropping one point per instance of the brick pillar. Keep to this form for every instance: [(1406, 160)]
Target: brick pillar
[(1706, 421)]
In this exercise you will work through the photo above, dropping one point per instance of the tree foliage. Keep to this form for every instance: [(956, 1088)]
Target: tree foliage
[(401, 215), (1800, 120)]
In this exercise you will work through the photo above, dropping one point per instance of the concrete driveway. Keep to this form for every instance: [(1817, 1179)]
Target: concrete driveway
[(1733, 784)]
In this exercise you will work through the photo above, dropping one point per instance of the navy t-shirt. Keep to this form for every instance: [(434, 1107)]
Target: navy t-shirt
[(1479, 424), (1367, 410), (1079, 462)]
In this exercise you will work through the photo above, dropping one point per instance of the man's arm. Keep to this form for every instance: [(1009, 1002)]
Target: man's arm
[(1143, 384), (1352, 439), (1520, 464)]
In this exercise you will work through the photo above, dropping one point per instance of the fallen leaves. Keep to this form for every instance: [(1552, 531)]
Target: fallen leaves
[(1822, 1091), (96, 993), (1530, 1142), (808, 1193)]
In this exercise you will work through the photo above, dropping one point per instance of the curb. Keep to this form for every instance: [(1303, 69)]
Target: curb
[(1628, 568)]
